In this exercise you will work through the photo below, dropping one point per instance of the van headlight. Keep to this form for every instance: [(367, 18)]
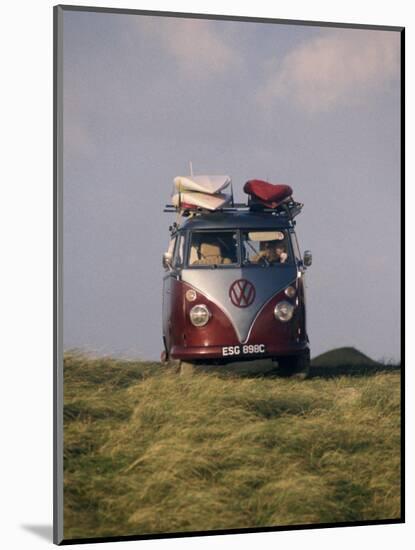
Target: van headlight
[(283, 311), (290, 291), (199, 315)]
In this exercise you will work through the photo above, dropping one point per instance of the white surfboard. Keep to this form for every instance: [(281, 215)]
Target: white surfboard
[(202, 200), (202, 184)]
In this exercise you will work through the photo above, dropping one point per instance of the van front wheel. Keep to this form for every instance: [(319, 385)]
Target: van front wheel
[(295, 365)]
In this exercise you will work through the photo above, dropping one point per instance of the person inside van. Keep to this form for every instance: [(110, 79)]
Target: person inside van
[(281, 253), (272, 252)]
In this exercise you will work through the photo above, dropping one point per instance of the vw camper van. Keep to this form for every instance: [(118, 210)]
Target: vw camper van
[(233, 288)]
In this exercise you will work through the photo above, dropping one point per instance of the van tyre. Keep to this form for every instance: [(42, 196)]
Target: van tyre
[(297, 366)]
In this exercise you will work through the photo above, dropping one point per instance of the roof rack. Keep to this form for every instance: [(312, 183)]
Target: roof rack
[(291, 209), (199, 210)]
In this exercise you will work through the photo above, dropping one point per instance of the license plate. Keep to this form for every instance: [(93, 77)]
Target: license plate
[(246, 349)]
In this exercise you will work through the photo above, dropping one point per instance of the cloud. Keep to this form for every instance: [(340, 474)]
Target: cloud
[(334, 69), (198, 47)]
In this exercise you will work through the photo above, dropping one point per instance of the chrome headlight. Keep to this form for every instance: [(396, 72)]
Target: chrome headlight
[(283, 311), (290, 291), (191, 295), (199, 315)]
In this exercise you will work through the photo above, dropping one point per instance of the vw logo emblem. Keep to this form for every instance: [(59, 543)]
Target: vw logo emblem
[(242, 293)]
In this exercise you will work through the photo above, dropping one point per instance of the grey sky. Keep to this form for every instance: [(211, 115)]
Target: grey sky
[(313, 107)]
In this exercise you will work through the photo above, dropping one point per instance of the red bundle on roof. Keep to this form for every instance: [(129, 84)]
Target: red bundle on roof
[(269, 194)]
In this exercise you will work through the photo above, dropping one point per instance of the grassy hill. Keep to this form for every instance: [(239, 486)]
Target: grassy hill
[(342, 356), (148, 451), (347, 361)]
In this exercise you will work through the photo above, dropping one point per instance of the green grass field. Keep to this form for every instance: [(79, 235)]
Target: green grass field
[(149, 451)]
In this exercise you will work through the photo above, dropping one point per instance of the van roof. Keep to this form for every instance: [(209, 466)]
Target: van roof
[(237, 220)]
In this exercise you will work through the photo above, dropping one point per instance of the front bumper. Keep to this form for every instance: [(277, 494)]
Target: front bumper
[(202, 353)]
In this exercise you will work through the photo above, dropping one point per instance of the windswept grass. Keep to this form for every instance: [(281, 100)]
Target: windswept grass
[(148, 451)]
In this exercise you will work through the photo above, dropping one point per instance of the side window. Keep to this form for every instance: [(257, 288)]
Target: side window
[(170, 250), (295, 246), (179, 251)]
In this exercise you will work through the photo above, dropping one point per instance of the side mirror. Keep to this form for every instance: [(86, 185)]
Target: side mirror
[(308, 258), (166, 260)]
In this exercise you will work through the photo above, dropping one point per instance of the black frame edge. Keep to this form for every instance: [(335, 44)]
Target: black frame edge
[(246, 18), (242, 531), (57, 280), (402, 231)]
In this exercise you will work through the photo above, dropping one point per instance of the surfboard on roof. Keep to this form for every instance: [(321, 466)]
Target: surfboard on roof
[(191, 199), (268, 194), (202, 184)]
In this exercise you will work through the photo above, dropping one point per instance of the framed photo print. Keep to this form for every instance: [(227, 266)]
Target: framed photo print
[(228, 274)]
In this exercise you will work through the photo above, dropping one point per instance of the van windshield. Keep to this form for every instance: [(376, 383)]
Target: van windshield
[(257, 248), (213, 248), (266, 248)]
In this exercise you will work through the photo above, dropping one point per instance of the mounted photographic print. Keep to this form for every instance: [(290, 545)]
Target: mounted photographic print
[(228, 217)]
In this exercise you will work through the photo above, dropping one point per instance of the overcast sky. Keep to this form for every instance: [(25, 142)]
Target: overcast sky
[(316, 108)]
